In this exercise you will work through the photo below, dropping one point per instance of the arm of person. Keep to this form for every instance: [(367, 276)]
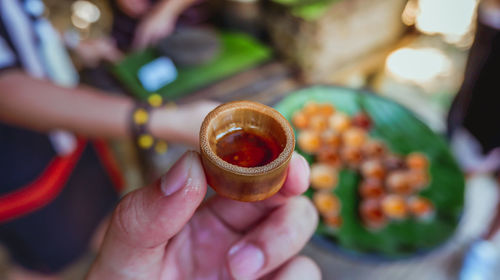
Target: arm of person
[(175, 7), (159, 22), (43, 106), (91, 52)]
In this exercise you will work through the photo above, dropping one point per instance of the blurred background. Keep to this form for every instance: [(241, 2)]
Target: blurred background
[(413, 52)]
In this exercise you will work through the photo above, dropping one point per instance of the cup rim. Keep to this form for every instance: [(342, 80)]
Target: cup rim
[(281, 160)]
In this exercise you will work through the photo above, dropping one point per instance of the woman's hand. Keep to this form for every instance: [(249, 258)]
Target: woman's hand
[(91, 52), (134, 8), (155, 25), (159, 21), (162, 232), (181, 124)]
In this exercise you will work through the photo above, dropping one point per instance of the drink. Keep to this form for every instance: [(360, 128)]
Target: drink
[(247, 148)]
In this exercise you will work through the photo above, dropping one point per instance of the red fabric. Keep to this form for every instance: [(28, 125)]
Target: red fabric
[(110, 164), (42, 190)]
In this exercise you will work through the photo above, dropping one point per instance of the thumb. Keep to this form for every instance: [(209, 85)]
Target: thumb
[(146, 219)]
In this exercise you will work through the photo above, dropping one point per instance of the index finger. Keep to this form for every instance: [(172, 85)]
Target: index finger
[(239, 216)]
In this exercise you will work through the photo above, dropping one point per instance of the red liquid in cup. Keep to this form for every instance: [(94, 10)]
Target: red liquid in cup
[(247, 148)]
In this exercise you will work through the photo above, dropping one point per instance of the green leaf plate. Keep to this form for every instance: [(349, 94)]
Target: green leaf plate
[(403, 133), (238, 52)]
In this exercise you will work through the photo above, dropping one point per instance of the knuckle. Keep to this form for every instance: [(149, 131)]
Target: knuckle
[(307, 213), (126, 214), (308, 266)]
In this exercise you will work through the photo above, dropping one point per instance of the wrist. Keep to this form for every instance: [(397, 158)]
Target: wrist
[(147, 125), (168, 10), (160, 125), (176, 124)]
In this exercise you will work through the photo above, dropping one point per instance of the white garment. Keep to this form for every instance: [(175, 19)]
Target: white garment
[(61, 71), (41, 53)]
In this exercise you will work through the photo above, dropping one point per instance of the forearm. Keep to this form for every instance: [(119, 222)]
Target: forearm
[(42, 106), (173, 7)]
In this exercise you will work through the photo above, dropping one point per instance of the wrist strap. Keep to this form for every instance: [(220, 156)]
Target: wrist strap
[(140, 118)]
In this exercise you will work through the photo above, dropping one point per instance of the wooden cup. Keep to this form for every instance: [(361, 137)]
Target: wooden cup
[(245, 183)]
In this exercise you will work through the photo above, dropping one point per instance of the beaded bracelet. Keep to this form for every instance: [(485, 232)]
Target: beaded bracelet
[(140, 117)]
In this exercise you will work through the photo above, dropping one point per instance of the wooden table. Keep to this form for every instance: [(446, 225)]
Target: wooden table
[(266, 84)]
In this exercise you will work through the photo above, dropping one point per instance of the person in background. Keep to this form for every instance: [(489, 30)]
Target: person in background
[(137, 24), (57, 179), (474, 128)]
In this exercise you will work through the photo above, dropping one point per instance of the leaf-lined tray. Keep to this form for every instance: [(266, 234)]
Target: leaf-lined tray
[(238, 52), (403, 133)]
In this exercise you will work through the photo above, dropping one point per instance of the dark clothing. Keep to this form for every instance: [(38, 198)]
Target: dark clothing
[(25, 154), (123, 28), (477, 105), (57, 234)]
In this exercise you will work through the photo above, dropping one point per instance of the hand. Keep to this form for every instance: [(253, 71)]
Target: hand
[(155, 25), (134, 8), (91, 52), (158, 232), (181, 124)]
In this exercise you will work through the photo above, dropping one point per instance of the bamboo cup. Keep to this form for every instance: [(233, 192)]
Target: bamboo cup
[(245, 183)]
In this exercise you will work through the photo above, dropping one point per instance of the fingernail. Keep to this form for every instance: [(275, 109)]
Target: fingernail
[(177, 176), (245, 261)]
